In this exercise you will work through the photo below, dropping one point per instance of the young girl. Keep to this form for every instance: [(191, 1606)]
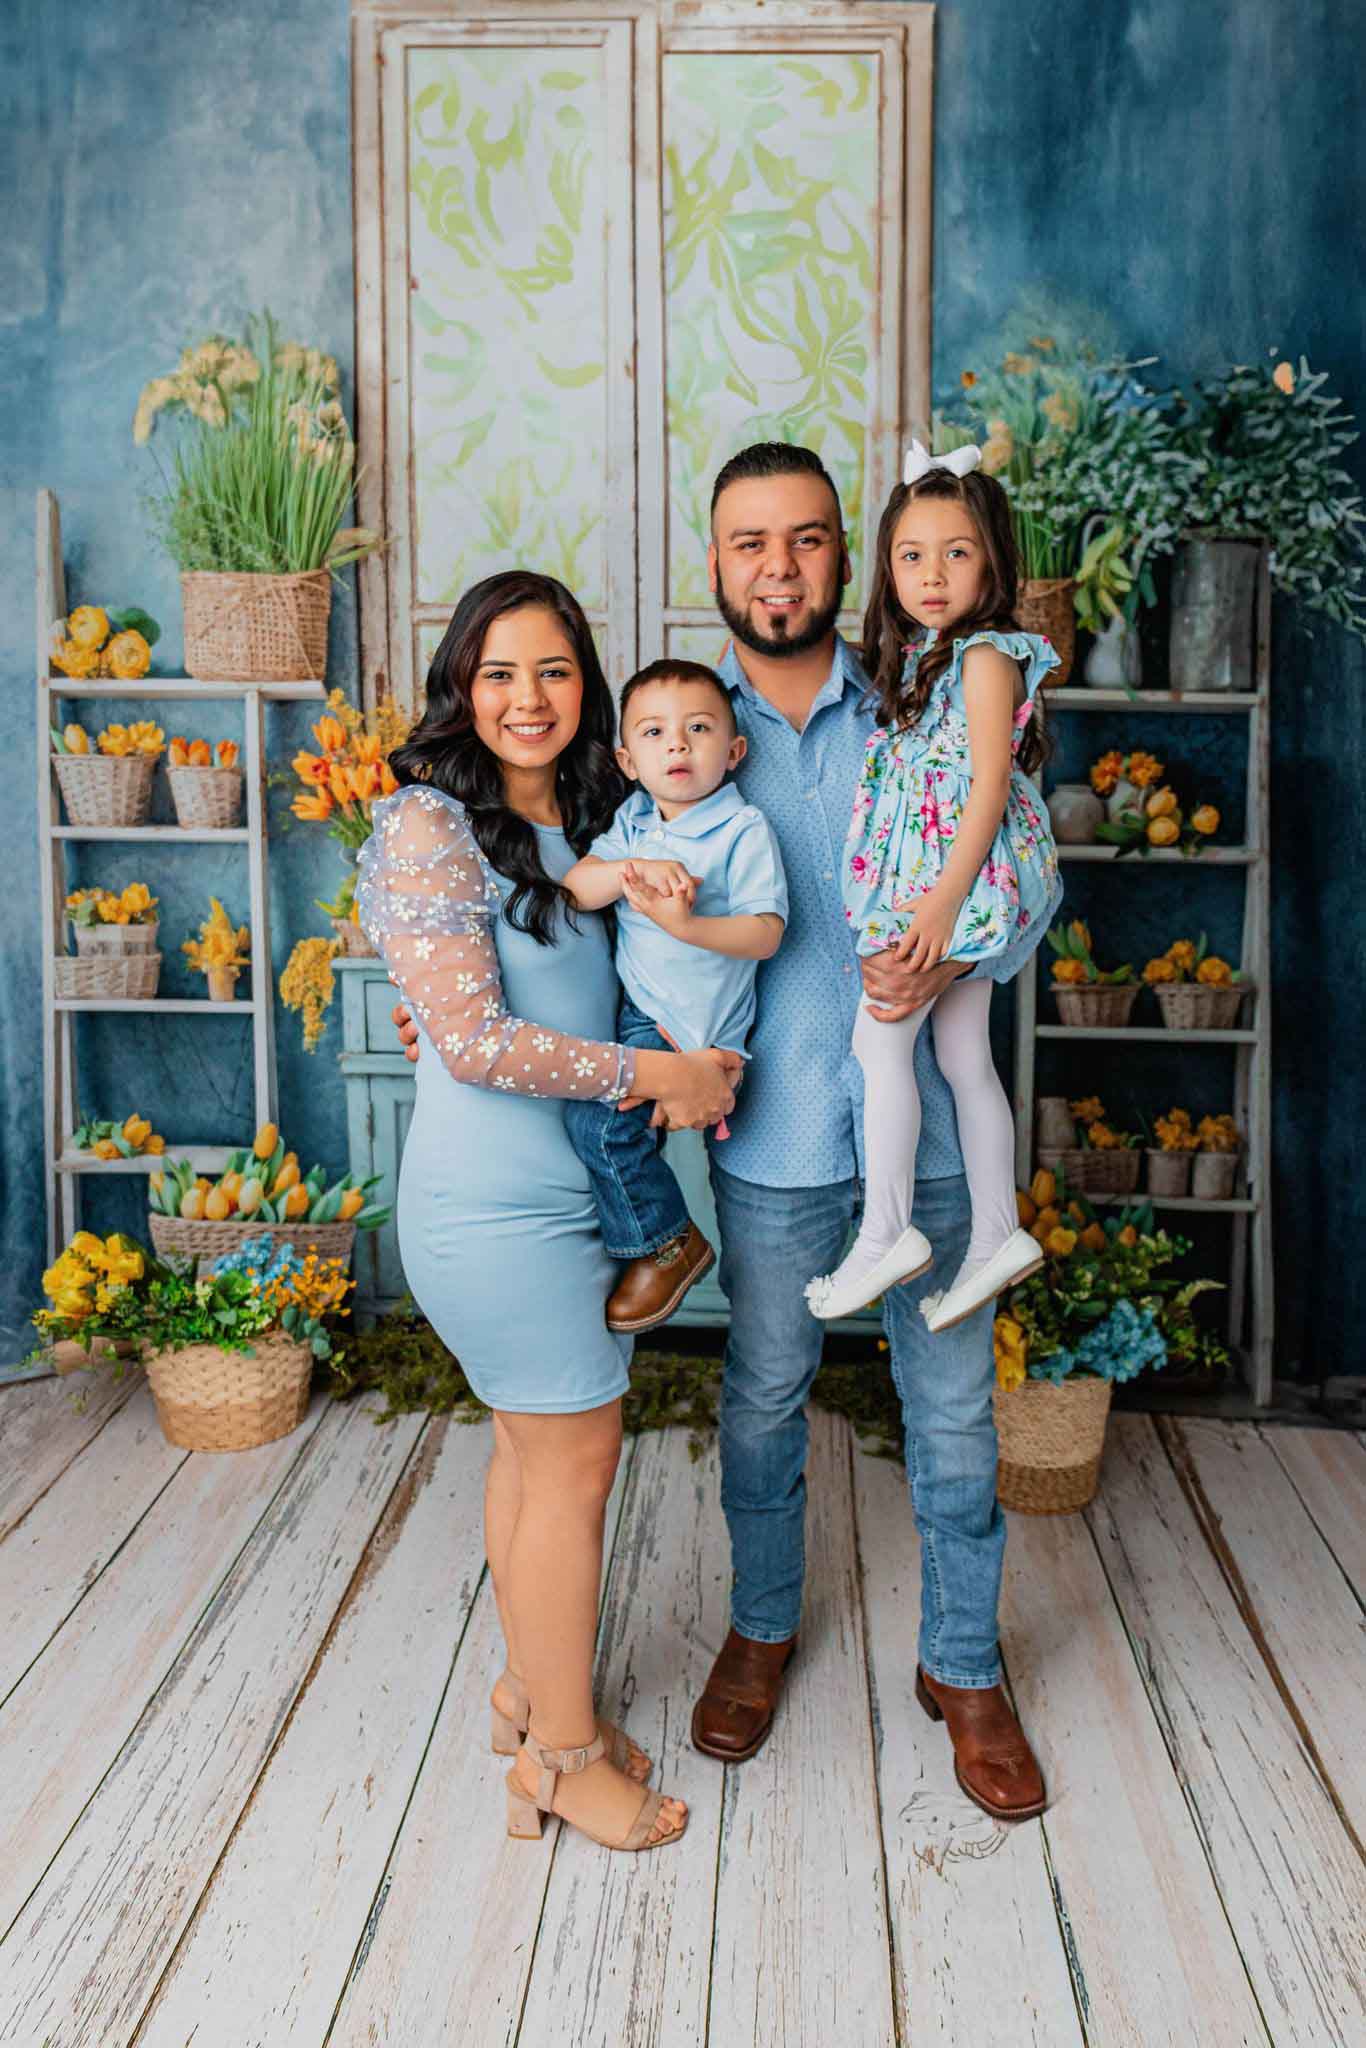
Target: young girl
[(949, 857)]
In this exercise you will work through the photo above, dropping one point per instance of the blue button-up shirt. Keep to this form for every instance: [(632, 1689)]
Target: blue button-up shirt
[(798, 1120), (697, 997)]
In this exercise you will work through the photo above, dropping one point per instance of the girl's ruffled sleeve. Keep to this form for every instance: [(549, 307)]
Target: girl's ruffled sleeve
[(1038, 657), (427, 899)]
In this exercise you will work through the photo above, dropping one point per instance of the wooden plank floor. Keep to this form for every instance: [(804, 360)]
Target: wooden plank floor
[(246, 1799)]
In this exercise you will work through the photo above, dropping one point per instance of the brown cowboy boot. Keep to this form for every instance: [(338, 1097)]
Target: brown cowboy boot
[(733, 1717), (992, 1761), (651, 1288)]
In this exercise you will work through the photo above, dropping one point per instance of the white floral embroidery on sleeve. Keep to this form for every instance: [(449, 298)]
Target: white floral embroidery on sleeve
[(428, 899)]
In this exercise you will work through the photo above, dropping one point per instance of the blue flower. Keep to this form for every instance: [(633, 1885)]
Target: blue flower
[(1121, 1347)]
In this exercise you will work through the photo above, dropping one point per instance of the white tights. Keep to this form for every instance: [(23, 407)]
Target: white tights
[(891, 1122)]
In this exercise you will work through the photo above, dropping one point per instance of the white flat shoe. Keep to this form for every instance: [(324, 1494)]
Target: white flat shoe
[(910, 1256), (1018, 1257)]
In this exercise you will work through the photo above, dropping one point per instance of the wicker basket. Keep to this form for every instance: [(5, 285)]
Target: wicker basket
[(124, 977), (105, 789), (256, 629), (1198, 1005), (1213, 1175), (1097, 1005), (1169, 1173), (206, 799), (354, 943), (1088, 1171), (212, 1400), (94, 941), (1046, 607), (175, 1234), (1052, 1439)]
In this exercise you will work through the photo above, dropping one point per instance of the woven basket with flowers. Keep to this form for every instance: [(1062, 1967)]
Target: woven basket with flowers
[(1195, 989), (1087, 995)]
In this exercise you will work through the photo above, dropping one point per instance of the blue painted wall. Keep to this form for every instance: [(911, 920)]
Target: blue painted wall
[(1198, 174)]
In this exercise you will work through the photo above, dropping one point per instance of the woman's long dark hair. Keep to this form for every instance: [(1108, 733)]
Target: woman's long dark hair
[(887, 628), (444, 749)]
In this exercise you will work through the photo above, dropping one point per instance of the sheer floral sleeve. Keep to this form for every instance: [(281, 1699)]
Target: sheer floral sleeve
[(428, 899)]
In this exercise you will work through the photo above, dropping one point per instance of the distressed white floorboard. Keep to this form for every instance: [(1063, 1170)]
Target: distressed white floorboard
[(63, 1726), (273, 1938), (1311, 1621), (57, 1552), (1153, 1961), (1327, 1468), (44, 1424), (450, 1940), (951, 1870), (83, 1958), (1293, 1888), (623, 1955), (801, 1956)]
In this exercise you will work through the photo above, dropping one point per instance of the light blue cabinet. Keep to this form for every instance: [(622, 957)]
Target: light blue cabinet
[(379, 1104)]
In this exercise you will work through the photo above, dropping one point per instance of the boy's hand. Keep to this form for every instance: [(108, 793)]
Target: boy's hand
[(667, 877), (927, 941), (672, 914)]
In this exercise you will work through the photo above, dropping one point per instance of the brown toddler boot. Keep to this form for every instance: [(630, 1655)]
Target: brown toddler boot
[(651, 1288)]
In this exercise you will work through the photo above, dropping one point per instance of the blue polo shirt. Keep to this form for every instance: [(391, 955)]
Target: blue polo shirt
[(698, 998), (800, 1123)]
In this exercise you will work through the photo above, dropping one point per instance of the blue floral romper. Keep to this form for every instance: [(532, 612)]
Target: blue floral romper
[(910, 797)]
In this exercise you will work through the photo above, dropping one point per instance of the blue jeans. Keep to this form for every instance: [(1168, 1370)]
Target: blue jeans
[(640, 1204), (772, 1241)]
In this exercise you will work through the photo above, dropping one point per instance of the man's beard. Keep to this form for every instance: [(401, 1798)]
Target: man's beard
[(781, 643)]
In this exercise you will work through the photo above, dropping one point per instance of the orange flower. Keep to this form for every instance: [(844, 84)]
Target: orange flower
[(1162, 804), (200, 757), (1069, 972), (365, 780), (1216, 973), (1181, 953), (315, 808), (1128, 1236), (339, 782), (388, 781), (1093, 1237), (178, 753), (1160, 970), (225, 753), (367, 746), (1283, 377), (309, 768), (330, 734), (1163, 831), (968, 379), (1205, 819), (1143, 770), (1061, 1242), (1105, 772)]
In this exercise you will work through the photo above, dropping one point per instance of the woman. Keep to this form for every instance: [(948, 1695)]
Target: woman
[(503, 784)]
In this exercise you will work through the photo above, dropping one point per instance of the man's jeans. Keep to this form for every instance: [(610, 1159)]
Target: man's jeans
[(639, 1202), (773, 1240)]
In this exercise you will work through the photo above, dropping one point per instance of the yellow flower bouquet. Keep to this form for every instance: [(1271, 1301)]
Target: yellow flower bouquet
[(1087, 995), (113, 921), (1144, 812), (220, 952), (95, 641), (111, 782), (133, 1138)]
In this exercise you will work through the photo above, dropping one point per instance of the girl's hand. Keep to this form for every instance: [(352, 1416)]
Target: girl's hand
[(927, 941), (667, 877), (672, 913), (699, 1090)]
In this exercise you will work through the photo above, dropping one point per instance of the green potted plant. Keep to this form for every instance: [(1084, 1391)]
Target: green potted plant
[(1088, 996), (1100, 1310), (253, 509), (1266, 446)]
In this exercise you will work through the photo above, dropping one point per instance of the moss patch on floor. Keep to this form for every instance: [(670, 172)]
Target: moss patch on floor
[(402, 1358)]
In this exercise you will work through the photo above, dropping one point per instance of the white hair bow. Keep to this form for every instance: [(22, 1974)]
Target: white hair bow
[(919, 460)]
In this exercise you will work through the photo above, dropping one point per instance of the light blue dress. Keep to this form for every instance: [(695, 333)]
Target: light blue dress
[(911, 791), (496, 1222)]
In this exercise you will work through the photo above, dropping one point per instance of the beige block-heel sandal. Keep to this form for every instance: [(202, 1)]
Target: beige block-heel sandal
[(527, 1811), (507, 1731)]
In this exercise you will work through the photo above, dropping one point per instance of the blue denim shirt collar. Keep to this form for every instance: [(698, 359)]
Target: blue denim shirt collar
[(845, 674)]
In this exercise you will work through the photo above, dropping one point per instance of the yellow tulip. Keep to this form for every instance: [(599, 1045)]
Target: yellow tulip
[(388, 781), (137, 897), (76, 739), (250, 1198), (216, 1205), (1043, 1188), (192, 1205), (288, 1177), (1181, 953), (265, 1141), (1214, 972), (105, 1148), (1162, 804), (1093, 1237), (352, 1202), (1061, 1242), (85, 1243), (154, 1143), (178, 752), (298, 1201), (1025, 1208), (129, 655), (1128, 1236), (1069, 971), (1205, 819), (1048, 1218), (1163, 831), (1160, 970), (330, 734), (1010, 1350), (314, 808)]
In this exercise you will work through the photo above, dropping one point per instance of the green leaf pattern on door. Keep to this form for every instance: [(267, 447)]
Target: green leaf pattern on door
[(770, 195), (507, 251)]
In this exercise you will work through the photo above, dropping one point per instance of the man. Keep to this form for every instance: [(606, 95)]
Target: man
[(787, 1194)]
